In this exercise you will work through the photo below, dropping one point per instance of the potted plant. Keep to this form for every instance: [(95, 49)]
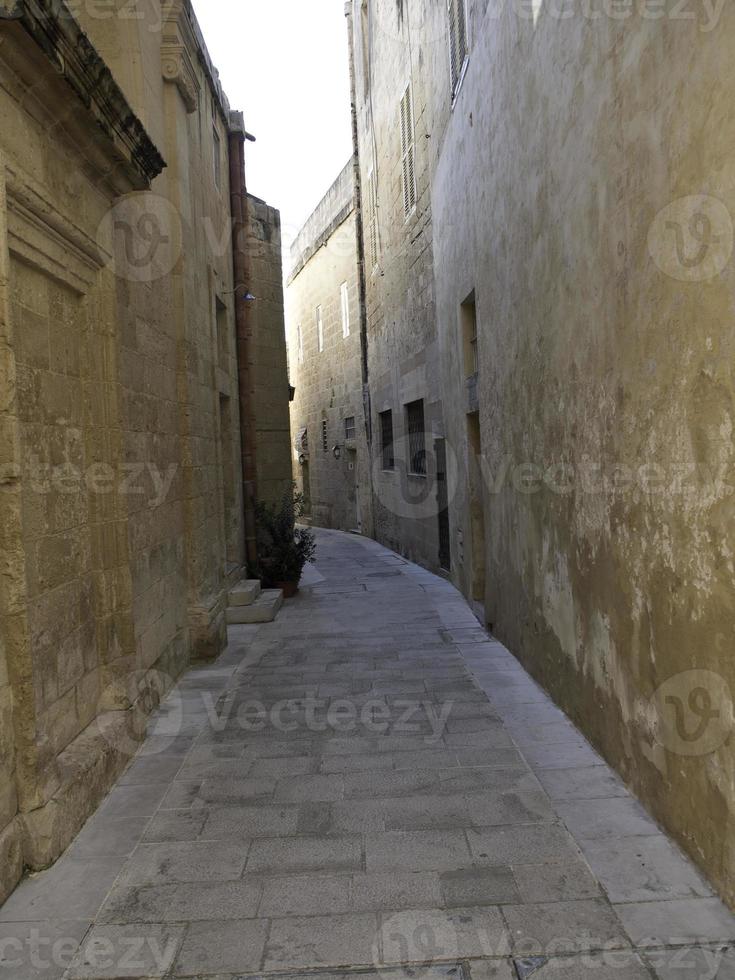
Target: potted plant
[(283, 548)]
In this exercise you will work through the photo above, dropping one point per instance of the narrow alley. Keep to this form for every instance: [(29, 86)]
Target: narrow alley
[(367, 783)]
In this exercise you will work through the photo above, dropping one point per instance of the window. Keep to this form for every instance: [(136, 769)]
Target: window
[(217, 157), (457, 42), (372, 218), (325, 436), (386, 440), (350, 427), (223, 333), (319, 329), (345, 300), (416, 438), (408, 160), (468, 318), (300, 343)]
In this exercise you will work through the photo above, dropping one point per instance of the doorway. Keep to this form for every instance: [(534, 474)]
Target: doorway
[(306, 488), (442, 504), (476, 492), (352, 467)]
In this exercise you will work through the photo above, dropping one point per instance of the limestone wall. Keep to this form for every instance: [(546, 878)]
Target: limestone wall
[(403, 356), (578, 200), (120, 477), (604, 296), (329, 382), (270, 380)]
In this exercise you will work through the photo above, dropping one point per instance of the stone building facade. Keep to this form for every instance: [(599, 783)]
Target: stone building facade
[(122, 338), (328, 427), (548, 247)]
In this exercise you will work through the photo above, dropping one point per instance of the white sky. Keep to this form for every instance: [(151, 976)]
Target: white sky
[(284, 64)]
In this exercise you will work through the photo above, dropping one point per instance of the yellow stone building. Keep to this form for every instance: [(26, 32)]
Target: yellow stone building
[(141, 389)]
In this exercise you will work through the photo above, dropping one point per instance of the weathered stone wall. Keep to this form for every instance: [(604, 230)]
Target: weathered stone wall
[(270, 379), (328, 383), (403, 356), (605, 363), (120, 476), (581, 203)]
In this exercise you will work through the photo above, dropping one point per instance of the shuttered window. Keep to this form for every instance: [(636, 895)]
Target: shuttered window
[(457, 41), (319, 329), (372, 219), (345, 302), (325, 436), (416, 437), (408, 153)]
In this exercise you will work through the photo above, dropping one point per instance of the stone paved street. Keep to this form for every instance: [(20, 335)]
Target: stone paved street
[(420, 801)]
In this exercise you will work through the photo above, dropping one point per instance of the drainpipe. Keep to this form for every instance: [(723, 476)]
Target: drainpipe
[(361, 277), (362, 286), (241, 270)]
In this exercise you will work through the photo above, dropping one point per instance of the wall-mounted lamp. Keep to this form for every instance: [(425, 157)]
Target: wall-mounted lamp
[(247, 297), (337, 452)]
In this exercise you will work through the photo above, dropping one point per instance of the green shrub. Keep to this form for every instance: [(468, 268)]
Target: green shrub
[(283, 548)]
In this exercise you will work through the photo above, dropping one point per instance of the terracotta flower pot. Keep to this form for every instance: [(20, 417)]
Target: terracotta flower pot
[(289, 589)]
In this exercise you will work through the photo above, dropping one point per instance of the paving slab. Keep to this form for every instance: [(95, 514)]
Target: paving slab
[(331, 940), (114, 952), (221, 947), (345, 794)]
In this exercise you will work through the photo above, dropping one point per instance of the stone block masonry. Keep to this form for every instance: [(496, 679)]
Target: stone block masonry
[(121, 516)]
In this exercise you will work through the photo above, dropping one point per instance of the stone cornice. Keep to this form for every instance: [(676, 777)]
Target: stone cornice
[(177, 44), (183, 48), (52, 26)]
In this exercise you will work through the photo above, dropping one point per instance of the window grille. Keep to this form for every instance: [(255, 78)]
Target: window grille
[(386, 440), (416, 438)]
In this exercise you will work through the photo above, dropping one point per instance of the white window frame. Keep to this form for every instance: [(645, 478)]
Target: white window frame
[(455, 84), (319, 329), (216, 156), (407, 129), (344, 295)]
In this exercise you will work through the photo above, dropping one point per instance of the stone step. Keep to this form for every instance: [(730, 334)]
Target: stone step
[(244, 593), (263, 610)]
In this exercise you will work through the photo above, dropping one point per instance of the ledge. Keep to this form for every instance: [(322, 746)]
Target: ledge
[(55, 31)]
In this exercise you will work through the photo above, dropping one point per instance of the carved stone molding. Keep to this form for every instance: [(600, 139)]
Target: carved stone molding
[(178, 48), (40, 236), (177, 67), (51, 25)]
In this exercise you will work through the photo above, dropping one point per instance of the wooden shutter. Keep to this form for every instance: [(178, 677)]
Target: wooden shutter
[(457, 40), (408, 160), (372, 219)]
